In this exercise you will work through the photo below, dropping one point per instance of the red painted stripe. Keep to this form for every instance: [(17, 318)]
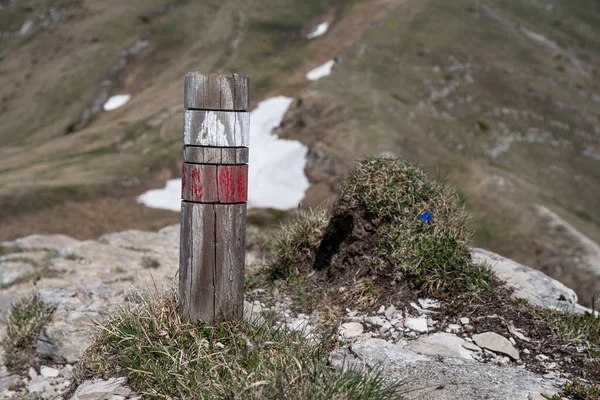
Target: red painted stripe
[(233, 183), (199, 183)]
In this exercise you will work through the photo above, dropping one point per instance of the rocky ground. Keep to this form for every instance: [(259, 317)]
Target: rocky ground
[(84, 279)]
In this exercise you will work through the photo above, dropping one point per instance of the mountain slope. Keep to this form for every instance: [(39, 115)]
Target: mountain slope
[(500, 96)]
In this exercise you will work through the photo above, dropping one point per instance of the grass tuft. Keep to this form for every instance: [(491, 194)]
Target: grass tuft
[(408, 224), (164, 356), (295, 242), (26, 319)]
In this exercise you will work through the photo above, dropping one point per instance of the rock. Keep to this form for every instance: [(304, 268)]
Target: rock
[(101, 389), (299, 325), (8, 382), (13, 271), (529, 284), (390, 311), (39, 385), (351, 330), (72, 327), (48, 372), (416, 324), (429, 303), (496, 343), (471, 346), (443, 344), (376, 321), (385, 328), (464, 321), (454, 327), (381, 310), (46, 242), (431, 377)]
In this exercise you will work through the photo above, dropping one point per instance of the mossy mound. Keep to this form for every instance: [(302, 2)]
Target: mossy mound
[(391, 225)]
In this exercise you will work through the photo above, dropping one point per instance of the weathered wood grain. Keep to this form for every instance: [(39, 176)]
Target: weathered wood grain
[(197, 282), (232, 183), (214, 189), (216, 128), (241, 155), (227, 92), (228, 155), (230, 225), (199, 183), (202, 155)]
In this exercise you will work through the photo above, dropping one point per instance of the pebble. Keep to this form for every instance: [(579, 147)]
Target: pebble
[(416, 324), (351, 330), (464, 321), (454, 327), (48, 372), (385, 327), (390, 311), (377, 321), (381, 310), (429, 303), (512, 341)]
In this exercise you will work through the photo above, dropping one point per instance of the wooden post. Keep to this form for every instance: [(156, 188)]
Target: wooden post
[(214, 193)]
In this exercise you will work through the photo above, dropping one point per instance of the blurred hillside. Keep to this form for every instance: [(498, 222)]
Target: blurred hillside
[(502, 97)]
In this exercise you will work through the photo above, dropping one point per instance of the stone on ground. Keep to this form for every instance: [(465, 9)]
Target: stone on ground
[(496, 343)]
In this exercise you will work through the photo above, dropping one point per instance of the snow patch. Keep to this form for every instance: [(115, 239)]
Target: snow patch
[(116, 102), (276, 177), (26, 27), (167, 198), (321, 71), (320, 30)]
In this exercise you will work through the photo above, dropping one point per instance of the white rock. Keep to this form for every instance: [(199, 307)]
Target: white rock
[(377, 321), (496, 343), (385, 327), (464, 321), (454, 327), (100, 389), (429, 303), (528, 283), (48, 372), (351, 330), (381, 310), (416, 324), (390, 311), (441, 344)]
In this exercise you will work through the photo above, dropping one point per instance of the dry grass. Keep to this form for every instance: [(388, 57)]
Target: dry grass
[(295, 242), (26, 319), (163, 356)]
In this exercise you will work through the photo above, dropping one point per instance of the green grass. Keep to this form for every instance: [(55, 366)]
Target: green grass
[(435, 252), (578, 390), (578, 328), (26, 318), (164, 356), (392, 195)]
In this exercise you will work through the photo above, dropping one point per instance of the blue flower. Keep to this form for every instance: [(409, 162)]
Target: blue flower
[(425, 216)]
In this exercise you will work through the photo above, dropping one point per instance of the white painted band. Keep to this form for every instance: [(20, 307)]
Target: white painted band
[(216, 128)]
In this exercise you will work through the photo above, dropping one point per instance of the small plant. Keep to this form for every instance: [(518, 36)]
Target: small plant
[(578, 390), (25, 321), (165, 356), (582, 328)]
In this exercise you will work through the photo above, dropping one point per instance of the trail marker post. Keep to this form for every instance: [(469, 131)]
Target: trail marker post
[(214, 193)]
